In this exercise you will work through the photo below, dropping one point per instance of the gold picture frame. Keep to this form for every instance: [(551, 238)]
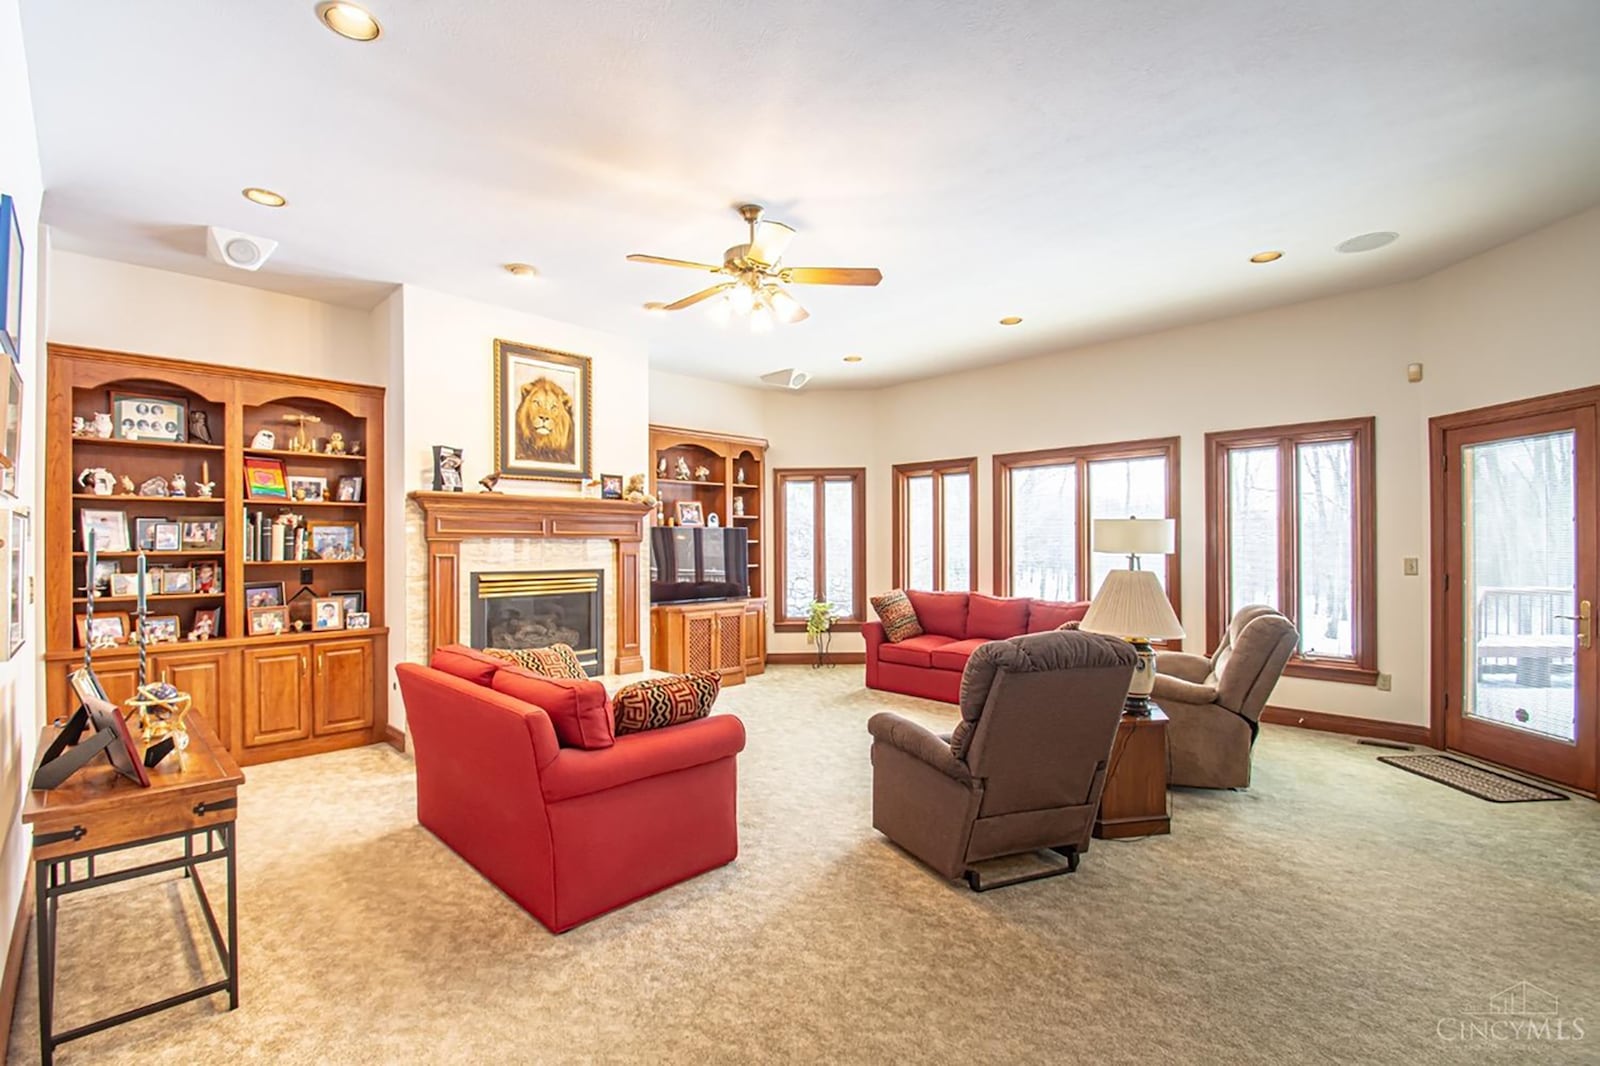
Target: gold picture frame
[(543, 413)]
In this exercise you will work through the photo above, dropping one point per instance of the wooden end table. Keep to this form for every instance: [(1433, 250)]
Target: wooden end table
[(1135, 802)]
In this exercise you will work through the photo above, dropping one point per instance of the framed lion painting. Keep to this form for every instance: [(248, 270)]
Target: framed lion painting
[(543, 413)]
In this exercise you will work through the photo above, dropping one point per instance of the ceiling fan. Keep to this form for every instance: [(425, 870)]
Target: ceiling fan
[(756, 278)]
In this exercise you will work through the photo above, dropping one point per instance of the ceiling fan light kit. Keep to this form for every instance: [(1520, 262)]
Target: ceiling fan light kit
[(756, 291)]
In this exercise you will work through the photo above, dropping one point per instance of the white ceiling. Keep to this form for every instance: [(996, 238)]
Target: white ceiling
[(1100, 168)]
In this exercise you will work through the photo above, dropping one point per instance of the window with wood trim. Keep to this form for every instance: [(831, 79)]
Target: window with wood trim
[(936, 525), (819, 522), (1046, 503), (1292, 526)]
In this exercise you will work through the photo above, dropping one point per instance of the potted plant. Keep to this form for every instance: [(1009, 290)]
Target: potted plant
[(819, 621)]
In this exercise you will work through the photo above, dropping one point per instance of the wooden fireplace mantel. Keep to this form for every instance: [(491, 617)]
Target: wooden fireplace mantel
[(448, 518)]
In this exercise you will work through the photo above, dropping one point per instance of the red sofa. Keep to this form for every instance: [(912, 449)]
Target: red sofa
[(953, 625), (568, 833)]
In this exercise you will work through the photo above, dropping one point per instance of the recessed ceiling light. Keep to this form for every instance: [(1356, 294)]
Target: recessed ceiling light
[(1011, 320), (852, 359), (1266, 257), (522, 270), (1367, 242), (264, 197), (348, 20)]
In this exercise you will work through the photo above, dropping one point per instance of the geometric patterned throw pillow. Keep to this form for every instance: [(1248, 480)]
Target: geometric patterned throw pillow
[(664, 701), (898, 616), (558, 660)]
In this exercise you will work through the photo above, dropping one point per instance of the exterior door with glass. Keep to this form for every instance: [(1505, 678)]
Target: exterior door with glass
[(1515, 659)]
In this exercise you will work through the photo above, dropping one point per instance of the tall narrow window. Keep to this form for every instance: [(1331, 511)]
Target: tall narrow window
[(935, 546), (1046, 503), (1293, 528), (820, 529)]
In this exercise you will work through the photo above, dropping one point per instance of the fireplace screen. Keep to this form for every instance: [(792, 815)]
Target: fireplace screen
[(540, 608)]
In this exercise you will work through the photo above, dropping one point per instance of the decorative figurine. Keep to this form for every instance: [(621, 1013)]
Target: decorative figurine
[(635, 493), (200, 427), (79, 427), (265, 440), (490, 482), (300, 442), (98, 480), (128, 487), (156, 486), (661, 467), (336, 444), (205, 488), (738, 475), (681, 469), (738, 507), (712, 520), (702, 473), (102, 424), (179, 484)]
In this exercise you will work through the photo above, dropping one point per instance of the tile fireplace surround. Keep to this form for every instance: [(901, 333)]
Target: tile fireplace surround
[(468, 532)]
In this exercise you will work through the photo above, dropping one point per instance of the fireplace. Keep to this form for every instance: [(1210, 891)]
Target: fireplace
[(535, 609)]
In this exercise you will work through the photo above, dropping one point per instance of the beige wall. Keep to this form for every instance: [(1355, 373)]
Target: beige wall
[(21, 676), (1520, 320)]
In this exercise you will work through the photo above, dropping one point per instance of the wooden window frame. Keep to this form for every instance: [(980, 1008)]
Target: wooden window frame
[(939, 470), (1362, 668), (1168, 448), (857, 476)]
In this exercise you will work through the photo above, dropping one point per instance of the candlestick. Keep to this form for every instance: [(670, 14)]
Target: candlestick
[(88, 607), (205, 471), (140, 629)]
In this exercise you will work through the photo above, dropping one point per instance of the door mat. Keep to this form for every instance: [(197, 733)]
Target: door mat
[(1472, 779)]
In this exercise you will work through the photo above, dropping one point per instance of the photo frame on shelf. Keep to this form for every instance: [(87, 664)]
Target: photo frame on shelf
[(354, 600), (268, 621), (144, 533), (259, 594), (207, 624), (136, 416), (103, 569), (167, 536), (107, 530), (109, 628), (125, 586), (264, 479), (308, 488), (349, 490), (543, 413), (327, 614), (202, 534), (334, 540), (11, 263), (357, 620), (689, 513), (177, 581), (207, 577), (162, 628)]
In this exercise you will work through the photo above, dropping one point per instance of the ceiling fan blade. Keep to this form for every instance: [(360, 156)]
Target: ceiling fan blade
[(703, 294), (833, 275), (636, 258), (770, 242)]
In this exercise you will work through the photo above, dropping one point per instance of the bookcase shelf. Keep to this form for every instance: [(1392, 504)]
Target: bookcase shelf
[(267, 697)]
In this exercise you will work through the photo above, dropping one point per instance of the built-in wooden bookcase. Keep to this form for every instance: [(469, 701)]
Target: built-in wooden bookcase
[(267, 696), (730, 637)]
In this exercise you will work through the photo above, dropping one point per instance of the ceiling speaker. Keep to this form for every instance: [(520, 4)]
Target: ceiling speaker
[(787, 379), (238, 250)]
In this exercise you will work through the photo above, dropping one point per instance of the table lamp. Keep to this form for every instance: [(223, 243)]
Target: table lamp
[(1131, 603)]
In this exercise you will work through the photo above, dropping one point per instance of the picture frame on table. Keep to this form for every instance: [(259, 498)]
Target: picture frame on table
[(207, 623), (268, 621), (11, 264), (334, 540), (327, 614), (354, 600), (162, 628), (543, 413), (177, 581), (202, 534), (125, 586), (264, 479), (689, 513), (349, 490), (106, 530), (260, 594), (302, 487), (136, 416), (124, 750), (111, 626)]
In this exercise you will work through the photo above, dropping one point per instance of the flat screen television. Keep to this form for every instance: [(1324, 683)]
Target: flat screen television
[(698, 563)]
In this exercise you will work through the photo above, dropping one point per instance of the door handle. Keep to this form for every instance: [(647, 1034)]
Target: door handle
[(1585, 620)]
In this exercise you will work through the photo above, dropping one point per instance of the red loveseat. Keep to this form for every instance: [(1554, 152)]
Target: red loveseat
[(568, 833), (954, 624)]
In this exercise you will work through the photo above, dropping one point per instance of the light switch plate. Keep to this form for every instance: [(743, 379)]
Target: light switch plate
[(1385, 683), (1413, 566)]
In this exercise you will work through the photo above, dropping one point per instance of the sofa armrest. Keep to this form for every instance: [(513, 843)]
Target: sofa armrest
[(1181, 691), (872, 633), (636, 756), (919, 742), (1183, 665)]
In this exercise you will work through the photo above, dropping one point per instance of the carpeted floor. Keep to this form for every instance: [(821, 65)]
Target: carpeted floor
[(1339, 911)]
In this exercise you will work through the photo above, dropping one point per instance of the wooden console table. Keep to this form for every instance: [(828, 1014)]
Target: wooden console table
[(193, 799), (1135, 802)]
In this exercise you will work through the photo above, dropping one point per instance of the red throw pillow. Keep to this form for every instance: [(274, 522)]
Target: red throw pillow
[(898, 616), (1045, 615), (461, 661), (995, 617), (663, 701), (944, 613), (577, 709)]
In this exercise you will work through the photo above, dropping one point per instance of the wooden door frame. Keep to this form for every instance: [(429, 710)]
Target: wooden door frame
[(1438, 427)]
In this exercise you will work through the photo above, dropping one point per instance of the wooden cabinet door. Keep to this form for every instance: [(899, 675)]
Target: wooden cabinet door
[(277, 694), (343, 686), (208, 676), (119, 678), (755, 637), (699, 641)]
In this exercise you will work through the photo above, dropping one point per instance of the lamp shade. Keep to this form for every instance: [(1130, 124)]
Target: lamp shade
[(1135, 536), (1131, 603)]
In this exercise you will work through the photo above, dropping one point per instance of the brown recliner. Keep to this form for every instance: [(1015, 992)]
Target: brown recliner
[(1025, 767), (1214, 704)]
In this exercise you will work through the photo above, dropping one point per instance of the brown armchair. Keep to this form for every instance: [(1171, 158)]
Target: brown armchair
[(1024, 768), (1214, 704)]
